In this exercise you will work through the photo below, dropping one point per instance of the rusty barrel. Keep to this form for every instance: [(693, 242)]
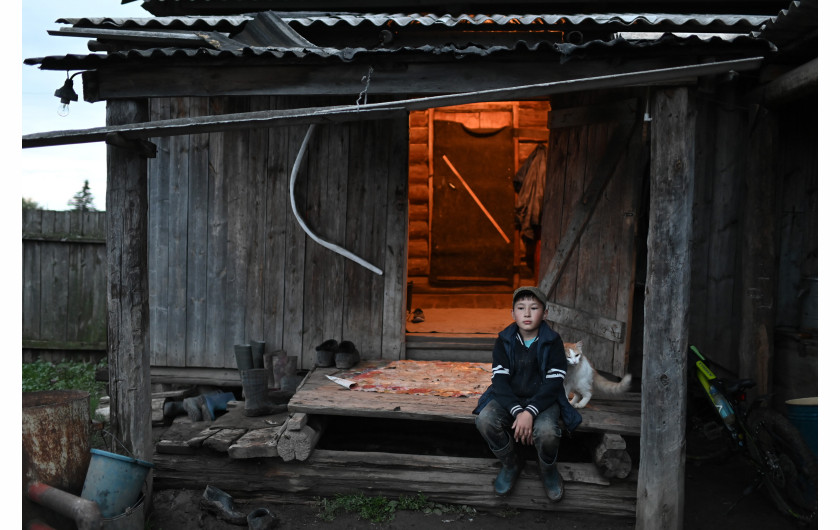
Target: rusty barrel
[(56, 440)]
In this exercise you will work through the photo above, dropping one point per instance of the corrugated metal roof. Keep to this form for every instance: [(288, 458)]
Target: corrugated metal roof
[(228, 23), (620, 21), (230, 50)]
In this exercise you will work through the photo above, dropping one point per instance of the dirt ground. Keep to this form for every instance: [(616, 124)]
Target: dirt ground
[(710, 490)]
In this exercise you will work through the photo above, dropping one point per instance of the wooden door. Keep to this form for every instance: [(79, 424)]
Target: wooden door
[(473, 200), (598, 160)]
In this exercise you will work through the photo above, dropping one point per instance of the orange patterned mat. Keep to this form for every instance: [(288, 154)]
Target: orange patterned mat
[(427, 378)]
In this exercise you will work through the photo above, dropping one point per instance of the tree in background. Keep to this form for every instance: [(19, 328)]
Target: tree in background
[(82, 201), (29, 204)]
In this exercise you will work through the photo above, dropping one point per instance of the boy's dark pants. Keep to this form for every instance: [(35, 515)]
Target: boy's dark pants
[(494, 423)]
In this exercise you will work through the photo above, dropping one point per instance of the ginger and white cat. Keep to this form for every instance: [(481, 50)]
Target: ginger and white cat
[(581, 378)]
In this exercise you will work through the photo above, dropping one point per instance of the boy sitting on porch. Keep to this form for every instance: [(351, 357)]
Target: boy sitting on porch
[(526, 397)]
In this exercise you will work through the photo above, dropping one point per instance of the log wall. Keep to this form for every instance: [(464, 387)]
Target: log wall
[(529, 119), (228, 262)]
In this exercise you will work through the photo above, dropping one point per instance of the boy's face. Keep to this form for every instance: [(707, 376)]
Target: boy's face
[(528, 314)]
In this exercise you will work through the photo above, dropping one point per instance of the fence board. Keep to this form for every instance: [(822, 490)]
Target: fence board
[(63, 278)]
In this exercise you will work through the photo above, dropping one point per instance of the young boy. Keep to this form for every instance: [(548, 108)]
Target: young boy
[(526, 402)]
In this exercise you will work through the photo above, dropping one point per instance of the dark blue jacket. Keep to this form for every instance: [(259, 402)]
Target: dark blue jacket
[(547, 338)]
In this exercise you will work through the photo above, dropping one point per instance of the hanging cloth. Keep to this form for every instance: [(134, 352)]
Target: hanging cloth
[(530, 183)]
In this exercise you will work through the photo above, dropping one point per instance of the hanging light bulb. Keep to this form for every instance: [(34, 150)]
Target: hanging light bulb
[(66, 94)]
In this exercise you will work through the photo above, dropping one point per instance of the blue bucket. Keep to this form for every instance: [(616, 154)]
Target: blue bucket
[(114, 481), (802, 413)]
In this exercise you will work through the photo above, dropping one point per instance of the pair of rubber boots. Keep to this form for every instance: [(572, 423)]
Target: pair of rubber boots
[(255, 388), (221, 503), (512, 465), (199, 408), (343, 355)]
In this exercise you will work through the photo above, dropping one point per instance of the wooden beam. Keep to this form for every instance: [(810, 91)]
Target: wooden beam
[(165, 38), (584, 209), (577, 116), (798, 82), (127, 209), (603, 327), (384, 110), (660, 500)]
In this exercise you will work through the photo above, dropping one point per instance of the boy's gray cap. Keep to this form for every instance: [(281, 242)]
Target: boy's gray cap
[(539, 295)]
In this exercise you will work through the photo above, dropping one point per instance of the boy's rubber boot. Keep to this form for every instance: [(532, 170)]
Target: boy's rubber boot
[(216, 402), (511, 467), (552, 481)]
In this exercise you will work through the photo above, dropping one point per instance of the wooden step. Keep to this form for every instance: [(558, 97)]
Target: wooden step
[(449, 347)]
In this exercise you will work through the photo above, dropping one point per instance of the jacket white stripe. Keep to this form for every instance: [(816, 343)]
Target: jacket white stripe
[(555, 373), (500, 370)]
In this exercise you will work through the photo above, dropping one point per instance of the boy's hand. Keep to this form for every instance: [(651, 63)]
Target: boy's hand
[(523, 426)]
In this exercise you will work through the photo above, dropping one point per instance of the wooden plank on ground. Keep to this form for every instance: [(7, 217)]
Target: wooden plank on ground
[(223, 438), (259, 443), (180, 438)]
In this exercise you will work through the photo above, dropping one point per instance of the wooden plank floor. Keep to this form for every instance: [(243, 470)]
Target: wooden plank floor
[(319, 395)]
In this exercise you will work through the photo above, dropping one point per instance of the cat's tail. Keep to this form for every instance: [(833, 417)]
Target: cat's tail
[(605, 386)]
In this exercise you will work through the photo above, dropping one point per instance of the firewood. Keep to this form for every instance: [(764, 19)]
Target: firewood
[(610, 456)]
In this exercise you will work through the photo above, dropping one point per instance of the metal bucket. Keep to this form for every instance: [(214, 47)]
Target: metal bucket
[(802, 413), (56, 442)]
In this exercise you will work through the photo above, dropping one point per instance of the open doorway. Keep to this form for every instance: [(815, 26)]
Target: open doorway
[(466, 253)]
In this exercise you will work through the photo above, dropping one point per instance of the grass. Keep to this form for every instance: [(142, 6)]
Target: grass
[(381, 510), (67, 375)]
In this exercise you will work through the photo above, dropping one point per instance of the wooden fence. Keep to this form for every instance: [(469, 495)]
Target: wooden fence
[(64, 282)]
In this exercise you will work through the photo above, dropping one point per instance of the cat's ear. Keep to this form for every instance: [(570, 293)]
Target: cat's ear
[(579, 345)]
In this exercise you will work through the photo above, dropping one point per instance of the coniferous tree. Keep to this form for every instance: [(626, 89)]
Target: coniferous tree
[(83, 200)]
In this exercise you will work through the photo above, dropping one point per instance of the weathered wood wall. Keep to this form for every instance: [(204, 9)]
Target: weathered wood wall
[(228, 263), (715, 281), (64, 267), (593, 134)]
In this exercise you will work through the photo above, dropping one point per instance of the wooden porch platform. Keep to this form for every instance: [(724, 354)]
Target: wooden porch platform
[(278, 458), (319, 395)]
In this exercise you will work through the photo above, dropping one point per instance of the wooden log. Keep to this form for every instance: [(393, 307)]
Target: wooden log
[(610, 456), (128, 286), (661, 501), (259, 443), (297, 421), (441, 479), (298, 445)]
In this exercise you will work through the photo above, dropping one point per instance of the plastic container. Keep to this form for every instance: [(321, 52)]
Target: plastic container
[(114, 481), (802, 413)]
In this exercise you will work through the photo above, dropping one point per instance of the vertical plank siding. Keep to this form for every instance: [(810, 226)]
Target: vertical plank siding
[(246, 270), (63, 281)]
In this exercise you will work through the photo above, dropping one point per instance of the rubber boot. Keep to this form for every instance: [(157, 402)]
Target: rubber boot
[(325, 353), (216, 402), (347, 356), (220, 503), (511, 467), (552, 481), (255, 384), (260, 519), (172, 409)]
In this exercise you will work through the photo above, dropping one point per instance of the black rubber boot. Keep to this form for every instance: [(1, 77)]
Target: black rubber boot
[(255, 384), (552, 481), (511, 467)]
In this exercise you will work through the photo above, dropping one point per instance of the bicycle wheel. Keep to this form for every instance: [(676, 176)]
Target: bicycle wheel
[(788, 467)]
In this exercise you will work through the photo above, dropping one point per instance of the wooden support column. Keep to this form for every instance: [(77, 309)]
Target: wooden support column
[(758, 244), (660, 494), (127, 206)]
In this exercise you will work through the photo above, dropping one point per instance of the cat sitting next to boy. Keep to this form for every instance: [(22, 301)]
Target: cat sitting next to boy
[(582, 378)]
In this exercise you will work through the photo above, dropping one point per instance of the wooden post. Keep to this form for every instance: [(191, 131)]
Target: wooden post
[(127, 206), (660, 496), (758, 262)]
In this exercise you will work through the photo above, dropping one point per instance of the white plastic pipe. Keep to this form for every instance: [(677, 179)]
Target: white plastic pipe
[(335, 248)]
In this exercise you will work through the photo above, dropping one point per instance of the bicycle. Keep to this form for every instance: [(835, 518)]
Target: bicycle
[(784, 465)]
